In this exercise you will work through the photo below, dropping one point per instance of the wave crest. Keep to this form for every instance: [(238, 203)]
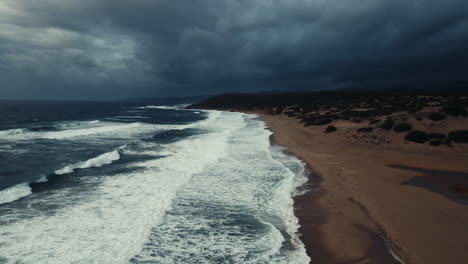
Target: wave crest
[(14, 193), (101, 160), (165, 107)]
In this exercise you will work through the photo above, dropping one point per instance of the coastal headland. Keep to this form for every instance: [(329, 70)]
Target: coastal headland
[(392, 171)]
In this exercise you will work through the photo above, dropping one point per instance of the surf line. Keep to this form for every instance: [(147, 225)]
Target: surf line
[(24, 189)]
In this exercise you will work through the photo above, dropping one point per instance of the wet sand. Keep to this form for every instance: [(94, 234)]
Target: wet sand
[(366, 207)]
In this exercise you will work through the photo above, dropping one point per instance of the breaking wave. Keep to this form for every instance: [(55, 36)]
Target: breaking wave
[(72, 131), (165, 107), (14, 193), (101, 160), (220, 196), (24, 189)]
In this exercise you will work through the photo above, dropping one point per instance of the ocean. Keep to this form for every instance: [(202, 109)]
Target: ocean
[(143, 182)]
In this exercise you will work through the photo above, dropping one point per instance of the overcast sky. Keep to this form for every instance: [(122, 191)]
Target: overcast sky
[(109, 49)]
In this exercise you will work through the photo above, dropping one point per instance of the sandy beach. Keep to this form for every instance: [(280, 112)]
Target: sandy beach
[(370, 211)]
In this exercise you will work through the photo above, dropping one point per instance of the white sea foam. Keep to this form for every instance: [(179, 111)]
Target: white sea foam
[(112, 226), (132, 117), (93, 130), (25, 132), (41, 179), (101, 160), (250, 186), (231, 168), (75, 124), (389, 248), (156, 153), (73, 131), (10, 132), (106, 128), (23, 189), (14, 193), (165, 107)]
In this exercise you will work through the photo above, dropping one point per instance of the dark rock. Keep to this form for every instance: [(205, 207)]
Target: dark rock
[(365, 129), (402, 127), (436, 142), (417, 136), (387, 124), (330, 129), (460, 136), (436, 116), (419, 118)]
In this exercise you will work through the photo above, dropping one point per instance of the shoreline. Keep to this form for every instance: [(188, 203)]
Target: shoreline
[(359, 218), (311, 215)]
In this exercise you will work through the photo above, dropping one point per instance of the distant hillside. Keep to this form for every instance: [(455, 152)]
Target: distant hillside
[(401, 99)]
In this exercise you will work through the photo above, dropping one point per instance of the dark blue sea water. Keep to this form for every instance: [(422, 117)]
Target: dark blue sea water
[(143, 182)]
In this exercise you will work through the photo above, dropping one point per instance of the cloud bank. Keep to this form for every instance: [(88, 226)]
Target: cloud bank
[(110, 49)]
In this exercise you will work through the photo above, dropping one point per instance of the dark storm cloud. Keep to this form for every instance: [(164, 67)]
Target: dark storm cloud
[(116, 48)]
